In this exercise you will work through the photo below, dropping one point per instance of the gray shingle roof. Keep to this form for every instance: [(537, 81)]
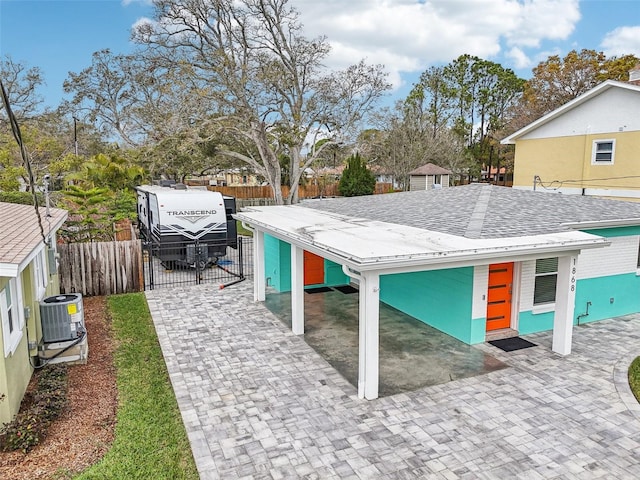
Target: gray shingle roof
[(19, 230), (481, 210)]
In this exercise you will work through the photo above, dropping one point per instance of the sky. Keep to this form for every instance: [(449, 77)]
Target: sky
[(406, 36)]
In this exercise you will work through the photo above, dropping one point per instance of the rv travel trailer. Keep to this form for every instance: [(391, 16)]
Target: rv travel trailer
[(187, 227)]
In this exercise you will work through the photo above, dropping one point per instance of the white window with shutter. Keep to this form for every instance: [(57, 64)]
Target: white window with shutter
[(546, 277), (40, 275), (12, 320)]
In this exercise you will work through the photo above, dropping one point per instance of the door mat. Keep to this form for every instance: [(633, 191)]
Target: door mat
[(317, 290), (511, 344), (346, 289)]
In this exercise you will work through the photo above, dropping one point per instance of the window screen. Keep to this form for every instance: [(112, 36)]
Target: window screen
[(603, 151), (545, 281)]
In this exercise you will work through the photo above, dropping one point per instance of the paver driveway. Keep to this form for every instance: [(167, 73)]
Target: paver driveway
[(258, 402)]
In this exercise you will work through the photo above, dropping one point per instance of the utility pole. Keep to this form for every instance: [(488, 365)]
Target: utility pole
[(75, 135)]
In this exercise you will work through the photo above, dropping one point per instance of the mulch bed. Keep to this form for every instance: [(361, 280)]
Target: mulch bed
[(84, 433)]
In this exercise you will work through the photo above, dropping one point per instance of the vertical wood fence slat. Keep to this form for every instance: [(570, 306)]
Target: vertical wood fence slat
[(306, 191), (88, 252), (101, 268)]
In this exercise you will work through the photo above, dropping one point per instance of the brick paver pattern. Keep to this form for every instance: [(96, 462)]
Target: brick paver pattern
[(258, 402)]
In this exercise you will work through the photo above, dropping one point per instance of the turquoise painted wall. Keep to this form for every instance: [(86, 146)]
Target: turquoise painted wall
[(528, 322), (624, 289), (277, 263), (614, 232), (278, 266), (440, 298), (333, 274)]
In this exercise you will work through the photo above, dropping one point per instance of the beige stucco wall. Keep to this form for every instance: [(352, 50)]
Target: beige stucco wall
[(569, 158)]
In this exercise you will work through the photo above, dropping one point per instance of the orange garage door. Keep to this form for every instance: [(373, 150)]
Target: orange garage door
[(313, 269)]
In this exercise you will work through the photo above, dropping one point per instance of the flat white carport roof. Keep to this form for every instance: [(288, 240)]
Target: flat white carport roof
[(365, 245), (368, 248)]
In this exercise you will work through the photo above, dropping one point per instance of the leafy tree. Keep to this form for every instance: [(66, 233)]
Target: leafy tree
[(101, 192), (557, 81), (356, 178), (88, 220), (464, 103)]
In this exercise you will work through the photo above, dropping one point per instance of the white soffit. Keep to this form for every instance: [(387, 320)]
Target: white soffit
[(367, 244)]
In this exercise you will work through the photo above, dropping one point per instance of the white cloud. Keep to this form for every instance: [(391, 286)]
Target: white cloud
[(539, 20), (622, 41), (408, 36), (520, 59), (129, 2)]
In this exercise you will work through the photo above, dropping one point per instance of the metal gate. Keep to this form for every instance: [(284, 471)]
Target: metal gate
[(193, 263)]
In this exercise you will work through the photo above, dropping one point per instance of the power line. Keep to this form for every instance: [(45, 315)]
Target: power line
[(15, 129), (588, 183)]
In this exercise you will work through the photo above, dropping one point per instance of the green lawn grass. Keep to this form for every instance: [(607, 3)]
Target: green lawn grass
[(634, 377), (150, 442), (242, 230)]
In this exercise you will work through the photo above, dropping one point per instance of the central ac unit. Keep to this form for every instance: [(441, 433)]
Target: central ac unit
[(62, 317)]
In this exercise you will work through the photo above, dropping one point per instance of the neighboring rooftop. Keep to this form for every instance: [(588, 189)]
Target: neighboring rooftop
[(430, 169), (20, 232), (482, 210)]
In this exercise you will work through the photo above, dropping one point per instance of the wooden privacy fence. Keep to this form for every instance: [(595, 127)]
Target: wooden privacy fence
[(101, 268), (307, 191)]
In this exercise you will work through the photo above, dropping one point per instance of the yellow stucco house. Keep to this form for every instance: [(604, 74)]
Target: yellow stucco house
[(589, 146), (28, 274)]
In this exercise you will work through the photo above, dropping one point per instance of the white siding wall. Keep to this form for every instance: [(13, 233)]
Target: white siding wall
[(618, 258), (430, 182), (527, 284), (480, 289), (610, 111), (417, 182)]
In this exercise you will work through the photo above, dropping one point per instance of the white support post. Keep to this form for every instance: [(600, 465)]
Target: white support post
[(259, 287), (565, 304), (368, 357), (297, 290)]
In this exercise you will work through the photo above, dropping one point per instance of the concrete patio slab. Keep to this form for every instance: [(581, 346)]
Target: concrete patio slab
[(258, 402)]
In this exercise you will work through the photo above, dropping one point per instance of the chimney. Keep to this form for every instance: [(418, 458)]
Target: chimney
[(634, 75)]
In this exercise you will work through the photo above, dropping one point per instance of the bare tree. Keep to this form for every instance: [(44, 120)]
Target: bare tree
[(20, 84), (263, 80)]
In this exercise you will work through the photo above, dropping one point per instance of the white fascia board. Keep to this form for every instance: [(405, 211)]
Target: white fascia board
[(9, 270), (365, 245), (629, 222)]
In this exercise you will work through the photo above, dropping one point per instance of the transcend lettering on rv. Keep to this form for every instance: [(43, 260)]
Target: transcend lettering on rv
[(191, 212)]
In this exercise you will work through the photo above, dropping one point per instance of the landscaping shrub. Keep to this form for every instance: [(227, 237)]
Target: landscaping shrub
[(634, 377), (43, 406)]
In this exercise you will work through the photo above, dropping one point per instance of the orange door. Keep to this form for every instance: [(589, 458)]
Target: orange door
[(499, 296), (313, 269)]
